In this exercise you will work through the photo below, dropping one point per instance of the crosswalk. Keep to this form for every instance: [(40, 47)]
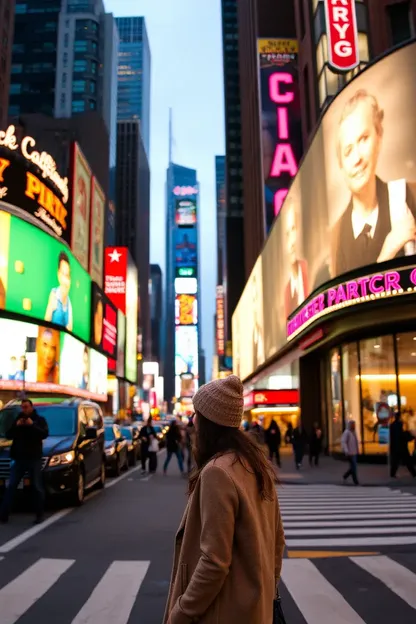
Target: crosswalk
[(339, 591), (331, 516)]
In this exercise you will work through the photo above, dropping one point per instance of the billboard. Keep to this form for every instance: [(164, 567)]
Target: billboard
[(281, 132), (185, 212), (103, 323), (220, 320), (132, 312), (121, 344), (97, 232), (186, 350), (186, 286), (351, 205), (186, 310), (185, 246), (31, 184), (342, 34), (81, 205), (115, 271), (98, 373), (40, 278)]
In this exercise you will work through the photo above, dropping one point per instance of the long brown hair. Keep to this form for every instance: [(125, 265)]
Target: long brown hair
[(214, 440)]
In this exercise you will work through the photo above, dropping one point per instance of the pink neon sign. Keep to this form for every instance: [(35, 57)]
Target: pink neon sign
[(360, 290)]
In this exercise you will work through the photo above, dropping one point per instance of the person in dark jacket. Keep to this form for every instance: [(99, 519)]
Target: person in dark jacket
[(299, 440), (27, 433), (273, 439), (399, 450), (145, 437), (315, 445), (173, 446)]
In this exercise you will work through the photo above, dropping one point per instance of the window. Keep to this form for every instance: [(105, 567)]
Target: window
[(78, 86), (406, 358), (93, 86), (18, 48), (78, 106), (14, 110), (21, 8), (93, 105), (400, 18), (17, 68), (80, 66), (15, 88), (351, 386), (81, 46), (66, 40), (93, 68), (337, 424)]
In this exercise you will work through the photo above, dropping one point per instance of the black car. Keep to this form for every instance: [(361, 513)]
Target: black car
[(73, 453), (133, 445), (116, 450)]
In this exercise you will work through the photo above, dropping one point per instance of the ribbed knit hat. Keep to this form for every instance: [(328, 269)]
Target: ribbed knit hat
[(221, 401)]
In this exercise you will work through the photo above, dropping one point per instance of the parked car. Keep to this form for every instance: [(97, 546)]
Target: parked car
[(133, 445), (116, 450), (73, 453)]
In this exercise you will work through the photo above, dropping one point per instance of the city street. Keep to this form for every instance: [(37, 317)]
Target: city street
[(351, 555)]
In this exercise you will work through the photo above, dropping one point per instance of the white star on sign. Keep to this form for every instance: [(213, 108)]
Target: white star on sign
[(114, 256)]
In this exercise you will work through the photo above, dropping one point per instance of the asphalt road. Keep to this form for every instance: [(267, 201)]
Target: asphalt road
[(109, 562)]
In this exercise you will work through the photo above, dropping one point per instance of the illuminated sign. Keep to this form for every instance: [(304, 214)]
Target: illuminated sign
[(385, 284), (97, 232), (281, 124), (185, 246), (185, 212), (186, 350), (81, 208), (186, 310), (341, 20), (271, 397), (183, 191), (103, 324), (185, 272), (186, 286), (115, 271), (220, 321)]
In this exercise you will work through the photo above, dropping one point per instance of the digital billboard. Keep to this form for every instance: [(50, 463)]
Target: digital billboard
[(121, 344), (186, 350), (75, 363), (281, 136), (97, 232), (132, 313), (220, 335), (98, 373), (186, 310), (186, 286), (185, 246), (185, 212), (103, 323), (31, 184), (351, 205), (81, 206), (115, 275), (40, 278)]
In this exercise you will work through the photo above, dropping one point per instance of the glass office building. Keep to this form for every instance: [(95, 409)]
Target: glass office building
[(134, 74)]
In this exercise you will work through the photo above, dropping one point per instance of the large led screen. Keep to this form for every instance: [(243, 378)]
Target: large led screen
[(186, 350), (185, 212), (352, 204), (186, 310), (185, 246), (40, 278), (75, 363)]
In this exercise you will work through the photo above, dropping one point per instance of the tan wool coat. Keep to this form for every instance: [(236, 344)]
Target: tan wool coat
[(228, 551)]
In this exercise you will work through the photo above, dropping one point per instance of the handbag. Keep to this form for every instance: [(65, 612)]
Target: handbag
[(278, 615), (153, 446)]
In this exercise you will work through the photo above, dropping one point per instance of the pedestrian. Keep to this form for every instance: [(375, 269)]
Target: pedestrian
[(174, 446), (145, 437), (273, 439), (315, 445), (229, 546), (27, 433), (299, 439), (349, 443), (289, 434), (399, 449), (190, 441)]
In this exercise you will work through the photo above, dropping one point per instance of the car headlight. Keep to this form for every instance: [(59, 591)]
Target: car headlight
[(62, 459), (110, 451)]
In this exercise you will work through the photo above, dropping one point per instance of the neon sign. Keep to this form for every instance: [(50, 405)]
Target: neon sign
[(341, 20), (361, 290), (182, 191), (220, 321)]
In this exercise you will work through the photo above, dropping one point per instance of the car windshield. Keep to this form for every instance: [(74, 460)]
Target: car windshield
[(109, 434), (127, 433), (7, 418), (61, 420)]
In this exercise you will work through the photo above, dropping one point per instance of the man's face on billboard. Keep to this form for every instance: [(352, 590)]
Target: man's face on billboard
[(48, 350), (291, 234), (359, 147), (64, 277)]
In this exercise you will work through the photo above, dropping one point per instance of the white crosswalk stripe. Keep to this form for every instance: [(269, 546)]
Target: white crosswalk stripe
[(327, 516)]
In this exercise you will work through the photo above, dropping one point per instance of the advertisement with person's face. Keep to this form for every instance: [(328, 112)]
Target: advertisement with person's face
[(104, 323), (40, 277), (81, 200), (352, 203), (47, 351), (185, 245), (97, 232), (186, 350), (74, 369)]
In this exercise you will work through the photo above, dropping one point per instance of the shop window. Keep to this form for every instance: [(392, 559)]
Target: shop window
[(351, 386), (378, 386), (335, 412), (400, 19), (406, 360)]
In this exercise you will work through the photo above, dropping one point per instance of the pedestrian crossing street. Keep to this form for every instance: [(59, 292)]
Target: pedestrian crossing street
[(332, 516)]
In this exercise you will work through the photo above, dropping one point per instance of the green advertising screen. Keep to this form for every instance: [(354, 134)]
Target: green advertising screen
[(39, 277)]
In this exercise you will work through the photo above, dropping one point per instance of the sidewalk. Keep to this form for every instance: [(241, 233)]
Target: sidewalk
[(330, 472)]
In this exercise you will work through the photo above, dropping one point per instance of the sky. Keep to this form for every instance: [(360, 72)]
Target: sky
[(186, 49)]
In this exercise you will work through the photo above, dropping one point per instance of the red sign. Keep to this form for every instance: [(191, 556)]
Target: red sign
[(271, 397), (115, 268), (341, 26), (220, 321)]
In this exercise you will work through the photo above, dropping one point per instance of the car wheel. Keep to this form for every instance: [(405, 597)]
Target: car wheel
[(101, 482), (79, 492)]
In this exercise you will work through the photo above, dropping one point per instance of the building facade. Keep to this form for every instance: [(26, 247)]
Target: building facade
[(6, 41), (182, 318), (156, 313), (133, 213), (134, 71)]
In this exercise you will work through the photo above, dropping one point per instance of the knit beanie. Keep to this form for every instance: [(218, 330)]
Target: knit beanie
[(221, 401)]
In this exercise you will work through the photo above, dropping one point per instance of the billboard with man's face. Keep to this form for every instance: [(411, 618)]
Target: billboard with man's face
[(351, 205)]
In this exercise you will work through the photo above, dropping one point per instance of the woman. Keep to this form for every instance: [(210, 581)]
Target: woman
[(145, 436), (229, 546), (273, 439), (173, 446)]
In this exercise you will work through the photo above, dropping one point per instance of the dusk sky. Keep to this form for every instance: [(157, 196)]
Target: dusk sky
[(186, 48)]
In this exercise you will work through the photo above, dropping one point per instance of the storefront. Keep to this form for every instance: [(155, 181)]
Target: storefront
[(333, 293), (282, 406)]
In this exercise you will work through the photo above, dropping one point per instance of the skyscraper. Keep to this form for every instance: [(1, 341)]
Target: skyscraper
[(6, 40), (134, 68)]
